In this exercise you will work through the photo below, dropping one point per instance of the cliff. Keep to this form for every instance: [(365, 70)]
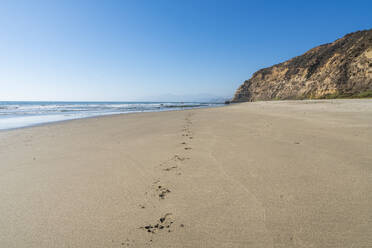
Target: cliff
[(342, 68)]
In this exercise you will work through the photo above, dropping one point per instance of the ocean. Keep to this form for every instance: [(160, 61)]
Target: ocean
[(23, 114)]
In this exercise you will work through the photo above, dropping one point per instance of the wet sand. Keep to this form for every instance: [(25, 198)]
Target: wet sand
[(264, 174)]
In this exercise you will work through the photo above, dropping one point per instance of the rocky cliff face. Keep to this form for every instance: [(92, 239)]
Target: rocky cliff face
[(342, 68)]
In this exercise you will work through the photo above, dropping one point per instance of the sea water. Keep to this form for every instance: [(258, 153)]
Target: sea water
[(22, 114)]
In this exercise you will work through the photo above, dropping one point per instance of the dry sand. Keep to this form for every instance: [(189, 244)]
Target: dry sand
[(265, 174)]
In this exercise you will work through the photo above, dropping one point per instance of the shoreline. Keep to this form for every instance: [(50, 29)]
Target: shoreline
[(105, 115), (168, 110), (258, 174)]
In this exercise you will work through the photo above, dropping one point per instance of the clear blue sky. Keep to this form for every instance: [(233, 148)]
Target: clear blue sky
[(129, 50)]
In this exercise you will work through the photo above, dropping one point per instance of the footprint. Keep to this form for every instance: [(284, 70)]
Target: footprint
[(178, 158), (163, 192), (170, 168), (175, 158), (163, 224), (171, 164)]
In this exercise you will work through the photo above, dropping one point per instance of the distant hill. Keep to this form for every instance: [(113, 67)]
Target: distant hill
[(342, 68)]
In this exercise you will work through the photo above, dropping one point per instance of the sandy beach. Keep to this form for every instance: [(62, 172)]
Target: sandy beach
[(263, 174)]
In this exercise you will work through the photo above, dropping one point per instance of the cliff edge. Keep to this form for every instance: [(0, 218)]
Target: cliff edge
[(342, 68)]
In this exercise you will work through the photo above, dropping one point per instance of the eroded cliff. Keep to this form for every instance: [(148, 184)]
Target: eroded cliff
[(342, 68)]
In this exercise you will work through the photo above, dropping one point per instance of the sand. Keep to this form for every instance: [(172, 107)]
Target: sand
[(264, 174)]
